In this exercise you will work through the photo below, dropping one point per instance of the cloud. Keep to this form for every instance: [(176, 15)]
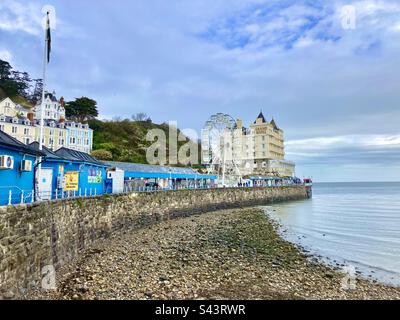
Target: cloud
[(16, 16), (189, 59), (375, 150), (6, 55)]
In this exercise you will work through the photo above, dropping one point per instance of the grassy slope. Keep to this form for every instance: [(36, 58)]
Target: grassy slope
[(16, 99), (126, 140)]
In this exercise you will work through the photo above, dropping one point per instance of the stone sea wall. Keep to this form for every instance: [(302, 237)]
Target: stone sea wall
[(33, 237)]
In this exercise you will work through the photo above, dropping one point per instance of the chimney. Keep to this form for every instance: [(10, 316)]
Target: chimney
[(62, 102), (30, 116)]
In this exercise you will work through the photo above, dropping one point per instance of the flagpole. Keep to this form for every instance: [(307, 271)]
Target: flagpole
[(44, 86), (45, 55)]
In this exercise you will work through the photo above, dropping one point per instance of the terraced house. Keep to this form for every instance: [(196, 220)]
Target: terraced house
[(23, 123)]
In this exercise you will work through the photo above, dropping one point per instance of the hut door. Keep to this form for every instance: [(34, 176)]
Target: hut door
[(45, 184)]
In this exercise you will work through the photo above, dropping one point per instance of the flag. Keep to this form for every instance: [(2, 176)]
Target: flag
[(48, 38)]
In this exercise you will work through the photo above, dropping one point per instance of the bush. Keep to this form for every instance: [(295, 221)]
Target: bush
[(102, 154)]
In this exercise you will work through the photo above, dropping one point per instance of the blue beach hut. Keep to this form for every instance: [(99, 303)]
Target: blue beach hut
[(17, 162)]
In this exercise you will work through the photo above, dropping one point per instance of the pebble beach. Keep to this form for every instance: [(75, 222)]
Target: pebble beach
[(230, 254)]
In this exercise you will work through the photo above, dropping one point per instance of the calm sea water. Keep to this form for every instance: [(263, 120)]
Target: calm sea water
[(348, 223)]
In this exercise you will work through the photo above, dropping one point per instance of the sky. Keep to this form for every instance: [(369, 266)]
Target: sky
[(331, 82)]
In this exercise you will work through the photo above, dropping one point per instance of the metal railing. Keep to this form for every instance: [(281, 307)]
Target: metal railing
[(13, 195)]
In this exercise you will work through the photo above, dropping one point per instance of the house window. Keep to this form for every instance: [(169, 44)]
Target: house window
[(1, 127), (14, 129), (26, 131), (27, 141)]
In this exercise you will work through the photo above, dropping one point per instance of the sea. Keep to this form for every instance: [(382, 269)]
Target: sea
[(346, 225)]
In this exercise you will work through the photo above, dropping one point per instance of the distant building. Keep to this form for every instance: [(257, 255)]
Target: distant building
[(11, 109), (24, 125), (261, 148), (21, 129), (79, 136), (53, 109), (54, 134)]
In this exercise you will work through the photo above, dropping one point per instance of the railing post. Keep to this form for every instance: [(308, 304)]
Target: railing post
[(56, 194), (22, 196), (95, 191), (33, 196), (10, 198), (85, 192)]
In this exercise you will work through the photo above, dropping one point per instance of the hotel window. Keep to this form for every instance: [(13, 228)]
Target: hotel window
[(26, 131), (14, 129)]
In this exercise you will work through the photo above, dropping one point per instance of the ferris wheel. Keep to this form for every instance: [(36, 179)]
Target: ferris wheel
[(218, 140)]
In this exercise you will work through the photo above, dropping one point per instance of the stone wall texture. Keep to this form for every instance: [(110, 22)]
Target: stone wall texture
[(55, 233)]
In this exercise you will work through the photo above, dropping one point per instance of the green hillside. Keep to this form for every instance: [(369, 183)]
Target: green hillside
[(2, 94), (124, 140), (16, 99)]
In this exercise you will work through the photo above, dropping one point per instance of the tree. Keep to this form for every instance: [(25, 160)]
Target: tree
[(82, 109), (102, 154), (5, 70), (37, 91), (13, 82)]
